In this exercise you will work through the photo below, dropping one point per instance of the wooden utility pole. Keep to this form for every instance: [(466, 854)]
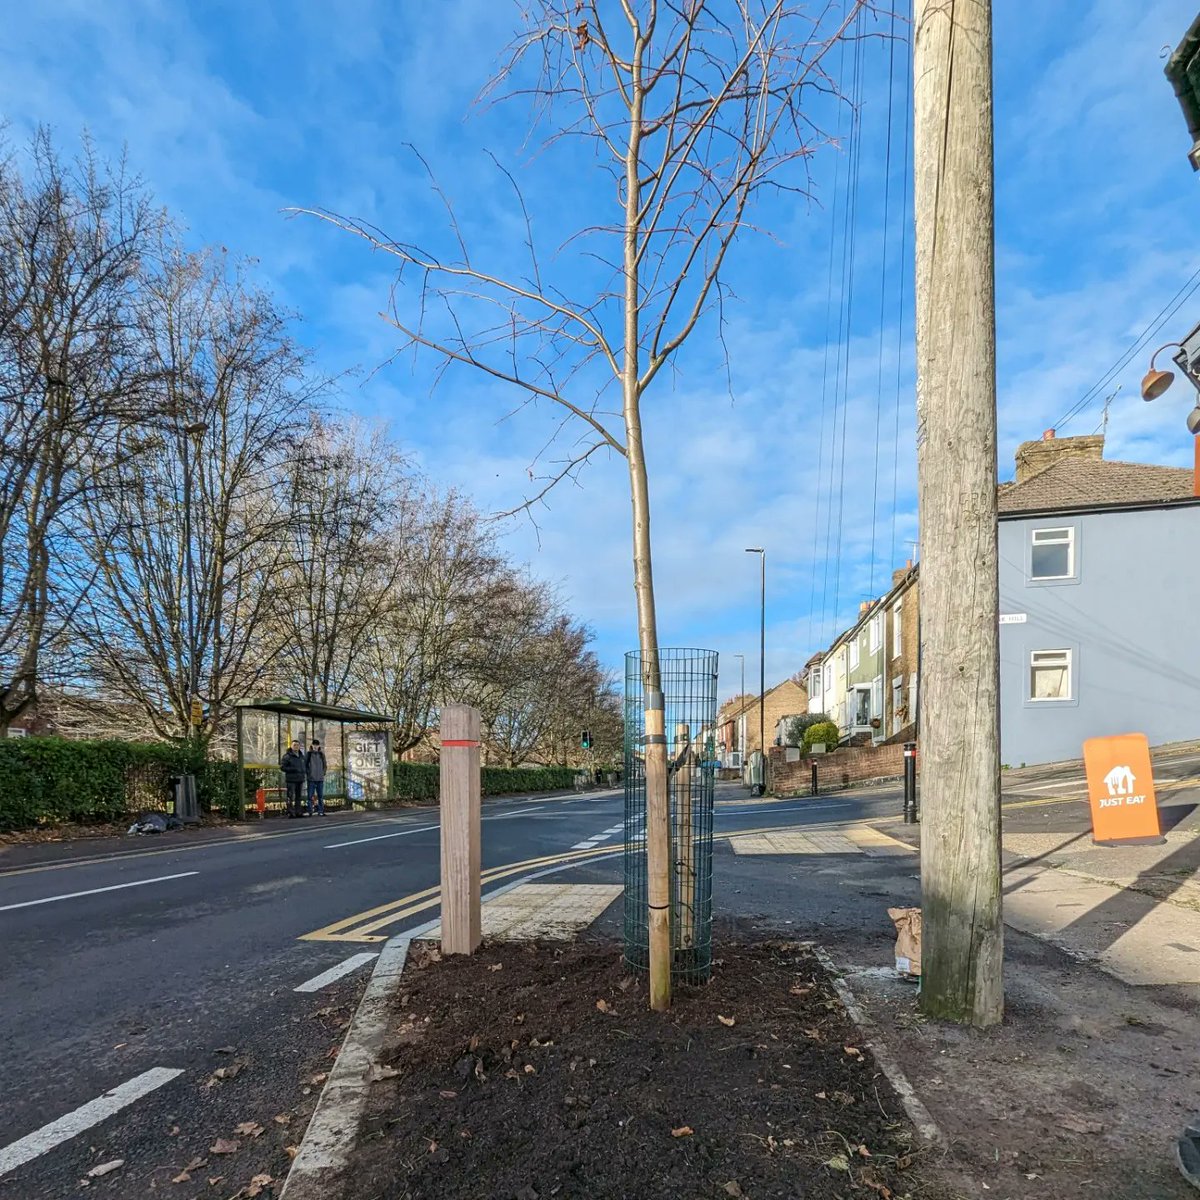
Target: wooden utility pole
[(460, 800), (956, 459)]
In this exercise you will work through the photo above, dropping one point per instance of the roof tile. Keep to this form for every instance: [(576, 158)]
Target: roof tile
[(1088, 483)]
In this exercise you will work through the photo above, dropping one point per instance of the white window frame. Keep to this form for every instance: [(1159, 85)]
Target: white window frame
[(1069, 539), (828, 682), (854, 653), (897, 629), (814, 682), (1064, 658), (875, 632)]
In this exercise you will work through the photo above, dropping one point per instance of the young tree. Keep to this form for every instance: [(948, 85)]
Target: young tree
[(692, 110)]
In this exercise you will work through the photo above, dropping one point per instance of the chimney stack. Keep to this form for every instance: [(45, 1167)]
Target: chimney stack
[(1035, 457)]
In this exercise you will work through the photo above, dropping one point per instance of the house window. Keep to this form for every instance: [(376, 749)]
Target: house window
[(828, 677), (1052, 554), (1050, 675), (854, 654), (876, 632), (814, 683), (897, 625)]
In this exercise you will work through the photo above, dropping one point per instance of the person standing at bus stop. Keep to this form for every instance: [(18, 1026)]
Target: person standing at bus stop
[(314, 760), (294, 771)]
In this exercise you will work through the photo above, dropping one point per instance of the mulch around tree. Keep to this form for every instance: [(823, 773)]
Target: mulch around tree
[(530, 1071)]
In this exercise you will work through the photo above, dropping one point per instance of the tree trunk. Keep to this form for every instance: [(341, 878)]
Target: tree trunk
[(956, 438), (658, 829)]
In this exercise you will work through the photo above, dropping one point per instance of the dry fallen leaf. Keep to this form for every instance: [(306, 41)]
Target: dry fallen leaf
[(820, 1095), (249, 1129), (106, 1168), (839, 1162), (496, 967), (733, 1188), (864, 1152), (196, 1164), (682, 1131), (813, 1035), (726, 1020), (282, 1118), (530, 1069), (225, 1050), (605, 1007), (224, 1146), (182, 1177), (447, 1094), (319, 1078), (257, 1184), (292, 1151), (853, 1051), (378, 1072), (800, 991), (213, 1180)]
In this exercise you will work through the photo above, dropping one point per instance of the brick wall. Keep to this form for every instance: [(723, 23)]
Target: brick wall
[(839, 768)]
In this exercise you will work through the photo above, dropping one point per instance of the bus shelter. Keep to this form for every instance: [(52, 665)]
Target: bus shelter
[(357, 745)]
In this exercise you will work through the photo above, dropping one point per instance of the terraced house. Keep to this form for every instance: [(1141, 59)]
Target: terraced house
[(1099, 578)]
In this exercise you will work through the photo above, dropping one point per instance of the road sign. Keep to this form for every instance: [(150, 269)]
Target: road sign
[(197, 713), (1121, 790)]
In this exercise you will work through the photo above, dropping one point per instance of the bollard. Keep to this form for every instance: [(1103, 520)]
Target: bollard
[(816, 787), (910, 783), (460, 787)]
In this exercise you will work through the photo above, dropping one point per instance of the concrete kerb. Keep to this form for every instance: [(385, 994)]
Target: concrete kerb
[(926, 1126), (333, 1128)]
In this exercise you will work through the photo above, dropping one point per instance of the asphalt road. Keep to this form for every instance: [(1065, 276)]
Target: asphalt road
[(151, 965)]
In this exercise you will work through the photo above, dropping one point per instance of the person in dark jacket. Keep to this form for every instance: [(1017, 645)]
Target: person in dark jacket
[(314, 761), (294, 771)]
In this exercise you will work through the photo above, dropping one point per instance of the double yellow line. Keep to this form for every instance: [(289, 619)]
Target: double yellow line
[(366, 926)]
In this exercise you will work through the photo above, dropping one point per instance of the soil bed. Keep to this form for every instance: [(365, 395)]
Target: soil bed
[(535, 1071)]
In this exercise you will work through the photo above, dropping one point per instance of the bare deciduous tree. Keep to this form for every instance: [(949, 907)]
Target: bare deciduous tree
[(184, 582), (350, 506), (692, 110), (71, 239)]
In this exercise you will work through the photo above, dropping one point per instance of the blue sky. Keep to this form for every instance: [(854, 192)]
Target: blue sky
[(233, 112)]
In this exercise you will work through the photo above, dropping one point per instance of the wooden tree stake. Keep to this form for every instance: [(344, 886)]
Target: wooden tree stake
[(460, 790)]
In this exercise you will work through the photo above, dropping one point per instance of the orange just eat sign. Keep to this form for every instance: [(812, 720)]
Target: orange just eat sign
[(1121, 789)]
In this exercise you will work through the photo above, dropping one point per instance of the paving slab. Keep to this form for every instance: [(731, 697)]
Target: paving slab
[(549, 910)]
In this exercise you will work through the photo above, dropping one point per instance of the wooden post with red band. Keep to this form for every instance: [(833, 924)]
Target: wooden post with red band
[(460, 790)]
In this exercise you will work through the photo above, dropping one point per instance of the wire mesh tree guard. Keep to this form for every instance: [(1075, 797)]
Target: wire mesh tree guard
[(689, 685)]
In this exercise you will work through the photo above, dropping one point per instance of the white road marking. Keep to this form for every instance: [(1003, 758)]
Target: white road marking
[(116, 887), (317, 982), (37, 1143), (380, 837)]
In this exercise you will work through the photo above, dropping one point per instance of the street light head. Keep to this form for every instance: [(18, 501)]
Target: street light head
[(1193, 420), (1155, 382), (755, 550)]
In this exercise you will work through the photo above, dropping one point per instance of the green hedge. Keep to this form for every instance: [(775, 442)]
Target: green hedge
[(419, 781), (48, 781)]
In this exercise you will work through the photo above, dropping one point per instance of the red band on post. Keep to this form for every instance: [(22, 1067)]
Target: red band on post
[(459, 742)]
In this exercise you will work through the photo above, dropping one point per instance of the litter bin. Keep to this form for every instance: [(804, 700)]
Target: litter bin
[(186, 804)]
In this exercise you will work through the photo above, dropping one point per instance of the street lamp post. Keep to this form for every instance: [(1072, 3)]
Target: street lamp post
[(742, 707), (762, 655)]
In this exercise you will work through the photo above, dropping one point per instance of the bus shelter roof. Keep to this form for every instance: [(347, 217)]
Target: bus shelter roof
[(287, 706)]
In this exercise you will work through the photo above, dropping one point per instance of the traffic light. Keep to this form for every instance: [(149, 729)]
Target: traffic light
[(585, 740)]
